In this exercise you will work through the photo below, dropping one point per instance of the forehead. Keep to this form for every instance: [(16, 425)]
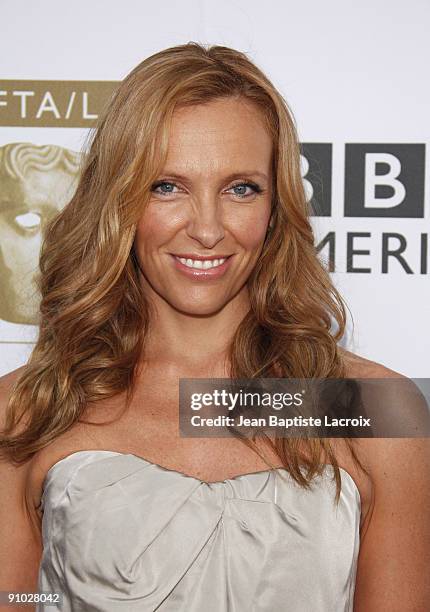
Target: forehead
[(217, 135)]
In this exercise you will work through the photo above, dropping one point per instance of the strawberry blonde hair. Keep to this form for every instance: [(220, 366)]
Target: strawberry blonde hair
[(94, 316)]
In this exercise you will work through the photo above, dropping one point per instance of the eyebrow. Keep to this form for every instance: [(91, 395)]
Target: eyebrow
[(230, 177)]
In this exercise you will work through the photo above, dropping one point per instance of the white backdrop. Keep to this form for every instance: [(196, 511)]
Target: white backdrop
[(352, 72)]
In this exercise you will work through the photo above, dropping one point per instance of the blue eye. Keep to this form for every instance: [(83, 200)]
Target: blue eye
[(243, 186), (162, 184), (167, 187)]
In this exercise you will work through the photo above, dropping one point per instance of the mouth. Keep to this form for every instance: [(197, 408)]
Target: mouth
[(202, 267)]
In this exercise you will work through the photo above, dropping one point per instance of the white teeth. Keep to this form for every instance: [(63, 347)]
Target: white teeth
[(199, 264)]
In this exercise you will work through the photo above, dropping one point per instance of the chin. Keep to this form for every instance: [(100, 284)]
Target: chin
[(198, 308)]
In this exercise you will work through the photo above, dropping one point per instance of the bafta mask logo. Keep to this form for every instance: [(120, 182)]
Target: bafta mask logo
[(36, 182)]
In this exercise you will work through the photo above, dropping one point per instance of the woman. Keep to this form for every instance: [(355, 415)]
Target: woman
[(187, 252)]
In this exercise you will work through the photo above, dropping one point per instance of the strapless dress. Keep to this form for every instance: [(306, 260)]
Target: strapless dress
[(121, 533)]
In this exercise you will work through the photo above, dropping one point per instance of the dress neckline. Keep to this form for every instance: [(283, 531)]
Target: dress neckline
[(283, 470)]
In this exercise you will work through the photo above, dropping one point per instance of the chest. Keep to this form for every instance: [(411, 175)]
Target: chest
[(149, 429)]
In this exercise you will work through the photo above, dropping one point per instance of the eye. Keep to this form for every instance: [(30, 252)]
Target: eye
[(164, 188), (244, 190)]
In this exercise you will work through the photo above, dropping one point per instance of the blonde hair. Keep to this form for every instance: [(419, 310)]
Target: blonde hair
[(94, 316)]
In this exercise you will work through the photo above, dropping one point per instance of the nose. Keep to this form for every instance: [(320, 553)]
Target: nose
[(205, 224)]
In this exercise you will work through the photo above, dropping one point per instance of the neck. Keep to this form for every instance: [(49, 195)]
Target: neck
[(187, 342)]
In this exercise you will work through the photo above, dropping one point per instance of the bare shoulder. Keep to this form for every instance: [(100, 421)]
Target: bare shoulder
[(396, 526), (8, 380), (11, 474), (20, 542), (360, 367), (7, 383), (382, 454)]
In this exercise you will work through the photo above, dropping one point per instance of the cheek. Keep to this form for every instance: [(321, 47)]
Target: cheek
[(156, 227), (250, 229), (160, 224)]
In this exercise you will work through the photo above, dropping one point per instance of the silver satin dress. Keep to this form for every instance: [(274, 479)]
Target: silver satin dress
[(122, 533)]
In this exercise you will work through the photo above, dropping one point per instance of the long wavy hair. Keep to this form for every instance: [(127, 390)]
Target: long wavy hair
[(94, 316)]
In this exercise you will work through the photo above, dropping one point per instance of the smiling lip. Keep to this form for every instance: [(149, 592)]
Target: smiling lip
[(201, 274), (199, 257)]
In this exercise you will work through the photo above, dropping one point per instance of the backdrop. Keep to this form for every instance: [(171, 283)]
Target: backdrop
[(355, 76)]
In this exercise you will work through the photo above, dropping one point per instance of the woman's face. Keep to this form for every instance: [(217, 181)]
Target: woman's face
[(211, 202)]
